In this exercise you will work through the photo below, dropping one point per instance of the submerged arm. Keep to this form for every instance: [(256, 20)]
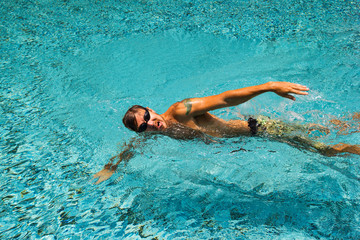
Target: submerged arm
[(126, 154), (197, 106)]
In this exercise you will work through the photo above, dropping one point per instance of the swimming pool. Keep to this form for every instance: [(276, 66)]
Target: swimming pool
[(70, 69)]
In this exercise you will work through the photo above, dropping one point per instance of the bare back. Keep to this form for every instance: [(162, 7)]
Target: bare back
[(208, 123)]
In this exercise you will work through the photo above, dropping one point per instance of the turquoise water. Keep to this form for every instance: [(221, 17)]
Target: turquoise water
[(70, 69)]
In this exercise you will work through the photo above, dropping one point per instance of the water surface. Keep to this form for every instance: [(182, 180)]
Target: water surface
[(70, 69)]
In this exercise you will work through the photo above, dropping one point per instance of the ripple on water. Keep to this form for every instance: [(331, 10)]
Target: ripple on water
[(70, 70)]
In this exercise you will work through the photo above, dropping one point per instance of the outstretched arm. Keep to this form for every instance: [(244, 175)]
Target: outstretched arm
[(198, 106), (126, 154)]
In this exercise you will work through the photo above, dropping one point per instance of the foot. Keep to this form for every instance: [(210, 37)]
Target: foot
[(342, 126), (356, 117), (347, 127), (343, 147)]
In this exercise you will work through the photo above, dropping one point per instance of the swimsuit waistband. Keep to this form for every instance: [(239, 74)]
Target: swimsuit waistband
[(253, 125)]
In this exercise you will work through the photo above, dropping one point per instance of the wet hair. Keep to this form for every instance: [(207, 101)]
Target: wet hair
[(129, 118)]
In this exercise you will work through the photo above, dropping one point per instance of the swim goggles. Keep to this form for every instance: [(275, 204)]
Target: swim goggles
[(143, 126)]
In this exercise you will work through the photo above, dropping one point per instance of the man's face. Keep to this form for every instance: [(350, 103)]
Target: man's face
[(155, 122)]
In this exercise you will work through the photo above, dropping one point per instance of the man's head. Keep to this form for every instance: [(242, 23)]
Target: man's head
[(140, 119)]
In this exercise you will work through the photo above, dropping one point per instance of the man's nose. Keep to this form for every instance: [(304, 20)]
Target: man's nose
[(151, 123)]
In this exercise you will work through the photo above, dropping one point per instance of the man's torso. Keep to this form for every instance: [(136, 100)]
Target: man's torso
[(209, 124)]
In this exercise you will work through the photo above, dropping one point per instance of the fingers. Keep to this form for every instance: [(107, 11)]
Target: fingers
[(289, 97), (285, 88), (99, 181), (301, 87), (299, 92), (286, 95)]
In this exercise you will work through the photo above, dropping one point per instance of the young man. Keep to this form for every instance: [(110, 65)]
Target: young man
[(190, 118)]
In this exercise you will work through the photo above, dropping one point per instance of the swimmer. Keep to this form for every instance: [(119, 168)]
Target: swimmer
[(190, 118)]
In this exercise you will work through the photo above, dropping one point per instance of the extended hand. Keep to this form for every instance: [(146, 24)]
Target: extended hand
[(104, 174), (284, 88)]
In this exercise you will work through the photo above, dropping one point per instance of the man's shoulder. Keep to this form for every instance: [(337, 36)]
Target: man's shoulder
[(176, 110), (175, 107)]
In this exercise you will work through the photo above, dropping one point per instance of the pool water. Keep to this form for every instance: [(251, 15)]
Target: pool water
[(70, 70)]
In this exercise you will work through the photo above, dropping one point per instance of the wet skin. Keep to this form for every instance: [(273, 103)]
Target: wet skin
[(193, 114), (206, 123)]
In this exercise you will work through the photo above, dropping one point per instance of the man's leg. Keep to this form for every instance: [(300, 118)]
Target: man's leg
[(345, 148), (344, 126), (327, 150), (305, 142)]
